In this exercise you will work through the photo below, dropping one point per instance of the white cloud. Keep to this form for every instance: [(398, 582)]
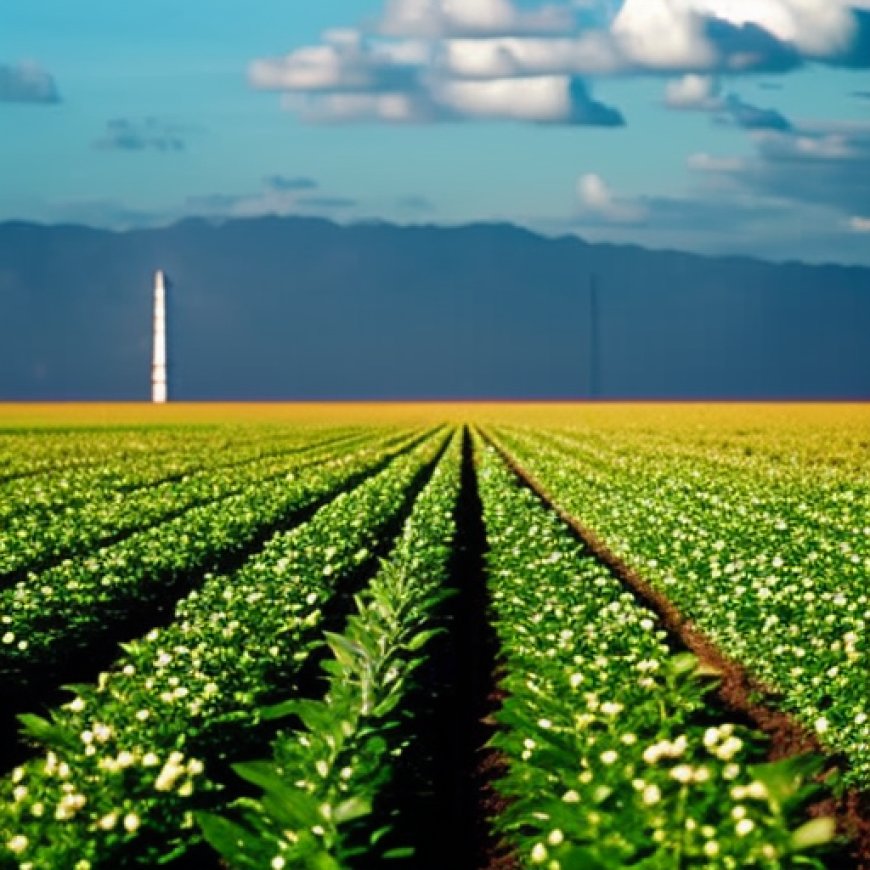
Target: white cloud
[(676, 34), (441, 60), (589, 53), (693, 91), (597, 201), (432, 18), (542, 99), (708, 163), (859, 224)]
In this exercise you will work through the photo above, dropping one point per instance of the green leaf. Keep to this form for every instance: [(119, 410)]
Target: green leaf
[(279, 711), (240, 847), (399, 853), (47, 733), (421, 639), (289, 805), (344, 649), (353, 808), (816, 832)]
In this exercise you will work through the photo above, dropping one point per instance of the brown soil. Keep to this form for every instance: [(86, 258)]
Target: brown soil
[(738, 690)]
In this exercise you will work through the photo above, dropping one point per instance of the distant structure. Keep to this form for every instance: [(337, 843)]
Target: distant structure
[(594, 342), (159, 390)]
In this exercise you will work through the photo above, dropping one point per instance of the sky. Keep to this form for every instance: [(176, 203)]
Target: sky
[(719, 126)]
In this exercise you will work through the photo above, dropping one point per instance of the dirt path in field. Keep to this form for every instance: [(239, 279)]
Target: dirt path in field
[(738, 692), (443, 784)]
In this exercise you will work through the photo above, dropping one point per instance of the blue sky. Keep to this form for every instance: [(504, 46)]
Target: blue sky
[(738, 126)]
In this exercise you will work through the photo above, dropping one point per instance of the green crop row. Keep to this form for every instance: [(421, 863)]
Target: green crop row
[(34, 537), (46, 617), (139, 464), (323, 783), (614, 756), (746, 557), (129, 758)]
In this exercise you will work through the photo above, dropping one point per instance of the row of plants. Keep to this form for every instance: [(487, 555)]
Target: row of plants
[(615, 757), (320, 802), (30, 538), (131, 757), (746, 557), (45, 618), (135, 462)]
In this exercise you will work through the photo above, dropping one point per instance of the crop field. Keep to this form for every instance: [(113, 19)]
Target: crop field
[(573, 637)]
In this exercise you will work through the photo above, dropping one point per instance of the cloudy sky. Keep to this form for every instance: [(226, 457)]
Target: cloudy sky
[(738, 126)]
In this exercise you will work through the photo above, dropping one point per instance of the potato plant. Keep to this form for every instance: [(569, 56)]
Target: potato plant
[(614, 756), (324, 779), (749, 550), (128, 758)]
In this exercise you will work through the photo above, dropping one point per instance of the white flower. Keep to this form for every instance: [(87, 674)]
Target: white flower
[(107, 822), (821, 725), (539, 853), (556, 837), (711, 848), (17, 844), (682, 773), (278, 863), (101, 732), (609, 757), (131, 822), (744, 827), (652, 795), (756, 790), (169, 775)]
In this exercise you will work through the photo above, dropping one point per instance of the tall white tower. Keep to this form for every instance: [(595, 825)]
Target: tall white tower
[(159, 393)]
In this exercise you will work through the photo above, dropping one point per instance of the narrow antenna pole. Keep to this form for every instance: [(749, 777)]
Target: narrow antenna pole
[(159, 393)]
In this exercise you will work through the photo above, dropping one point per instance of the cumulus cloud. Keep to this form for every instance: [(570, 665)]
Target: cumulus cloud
[(355, 78), (542, 99), (151, 134), (433, 18), (738, 35), (599, 203), (27, 83), (425, 61), (693, 91), (859, 224)]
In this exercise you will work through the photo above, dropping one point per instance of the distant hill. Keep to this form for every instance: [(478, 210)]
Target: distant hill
[(298, 308)]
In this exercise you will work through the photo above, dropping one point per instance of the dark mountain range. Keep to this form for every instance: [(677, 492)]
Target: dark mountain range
[(299, 308)]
